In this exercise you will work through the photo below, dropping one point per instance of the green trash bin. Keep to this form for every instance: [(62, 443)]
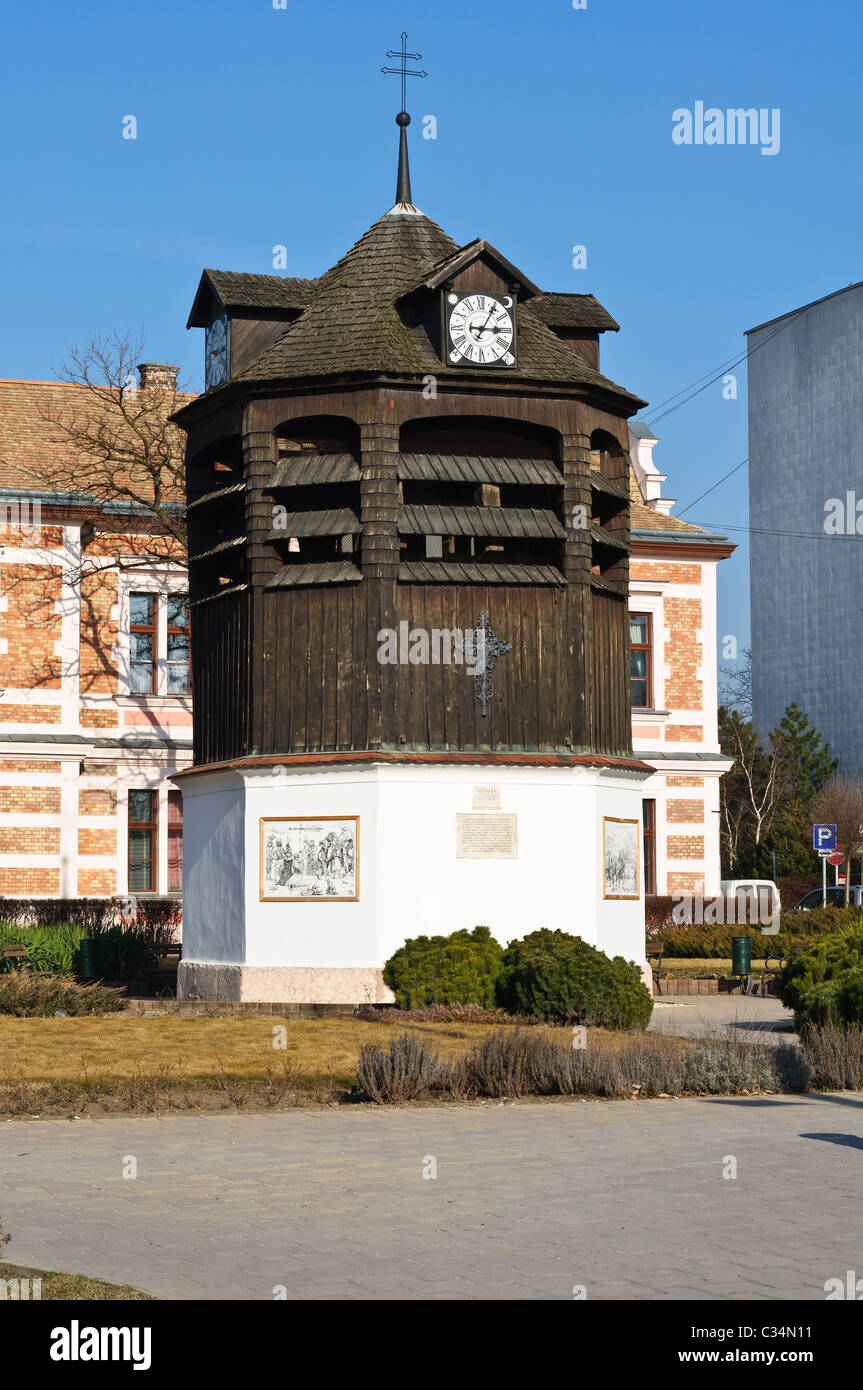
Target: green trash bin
[(89, 959), (741, 959)]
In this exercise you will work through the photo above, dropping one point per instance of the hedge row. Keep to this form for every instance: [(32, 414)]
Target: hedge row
[(91, 913), (712, 942)]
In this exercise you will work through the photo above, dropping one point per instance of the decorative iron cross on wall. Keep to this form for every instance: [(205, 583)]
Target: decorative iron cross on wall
[(404, 71), (489, 649)]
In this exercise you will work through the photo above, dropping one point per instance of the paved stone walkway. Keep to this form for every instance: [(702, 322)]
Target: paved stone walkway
[(626, 1198), (748, 1016)]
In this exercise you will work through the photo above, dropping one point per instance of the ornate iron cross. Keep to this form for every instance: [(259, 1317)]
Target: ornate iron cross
[(404, 72), (489, 650)]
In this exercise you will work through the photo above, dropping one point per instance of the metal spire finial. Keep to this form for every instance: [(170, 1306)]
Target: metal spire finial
[(403, 120)]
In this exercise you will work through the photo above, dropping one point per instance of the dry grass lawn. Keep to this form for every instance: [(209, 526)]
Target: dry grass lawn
[(74, 1287), (75, 1050)]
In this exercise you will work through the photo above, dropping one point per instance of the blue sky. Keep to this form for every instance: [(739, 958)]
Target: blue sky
[(260, 126)]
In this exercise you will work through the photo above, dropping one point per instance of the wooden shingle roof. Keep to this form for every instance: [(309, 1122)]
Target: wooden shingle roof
[(573, 311), (353, 322), (236, 290)]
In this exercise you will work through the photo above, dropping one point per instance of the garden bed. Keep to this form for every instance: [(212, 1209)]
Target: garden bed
[(118, 1065)]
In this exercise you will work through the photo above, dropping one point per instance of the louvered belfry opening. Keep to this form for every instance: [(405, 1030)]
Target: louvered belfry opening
[(315, 490), (215, 519), (609, 522), (480, 501)]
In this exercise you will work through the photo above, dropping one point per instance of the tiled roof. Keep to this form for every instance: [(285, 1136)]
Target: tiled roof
[(32, 448), (644, 518)]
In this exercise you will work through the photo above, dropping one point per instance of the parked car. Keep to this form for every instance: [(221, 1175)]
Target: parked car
[(835, 898)]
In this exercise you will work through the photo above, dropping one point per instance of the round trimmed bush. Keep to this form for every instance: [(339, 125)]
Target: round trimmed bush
[(824, 983), (562, 979), (456, 969)]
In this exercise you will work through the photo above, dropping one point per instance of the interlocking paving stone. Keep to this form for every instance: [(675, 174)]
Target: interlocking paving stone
[(531, 1200)]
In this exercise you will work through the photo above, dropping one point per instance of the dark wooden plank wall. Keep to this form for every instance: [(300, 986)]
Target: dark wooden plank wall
[(251, 336), (611, 728), (304, 661), (220, 673), (317, 643)]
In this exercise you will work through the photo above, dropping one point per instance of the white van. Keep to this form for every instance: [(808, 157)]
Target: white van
[(756, 903)]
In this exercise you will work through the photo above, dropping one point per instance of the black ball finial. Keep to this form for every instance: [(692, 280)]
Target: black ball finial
[(403, 118)]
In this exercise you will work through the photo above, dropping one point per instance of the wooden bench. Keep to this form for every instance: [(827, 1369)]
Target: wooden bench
[(781, 961), (16, 958), (656, 969)]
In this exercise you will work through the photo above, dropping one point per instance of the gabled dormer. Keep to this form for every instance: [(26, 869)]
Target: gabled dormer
[(243, 314)]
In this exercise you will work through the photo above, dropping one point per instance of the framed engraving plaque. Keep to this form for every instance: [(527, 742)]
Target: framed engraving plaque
[(310, 859), (621, 852)]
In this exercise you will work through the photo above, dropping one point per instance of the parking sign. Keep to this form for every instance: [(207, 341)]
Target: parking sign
[(824, 837)]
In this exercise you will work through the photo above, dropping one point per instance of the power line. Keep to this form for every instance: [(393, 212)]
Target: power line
[(696, 387), (766, 531), (715, 485)]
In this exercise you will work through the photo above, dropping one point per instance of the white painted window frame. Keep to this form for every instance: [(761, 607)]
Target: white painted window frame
[(650, 601), (160, 583)]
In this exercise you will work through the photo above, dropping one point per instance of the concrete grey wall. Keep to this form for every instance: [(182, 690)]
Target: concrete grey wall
[(806, 589)]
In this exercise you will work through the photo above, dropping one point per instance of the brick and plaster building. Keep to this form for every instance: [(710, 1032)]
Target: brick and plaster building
[(673, 685), (95, 714), (95, 720)]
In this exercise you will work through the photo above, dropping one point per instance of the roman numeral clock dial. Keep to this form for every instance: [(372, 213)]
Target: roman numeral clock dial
[(216, 353), (480, 330)]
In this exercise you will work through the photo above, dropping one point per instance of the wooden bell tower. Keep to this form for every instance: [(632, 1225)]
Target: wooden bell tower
[(408, 495)]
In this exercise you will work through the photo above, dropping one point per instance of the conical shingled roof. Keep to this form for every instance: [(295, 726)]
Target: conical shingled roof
[(353, 323)]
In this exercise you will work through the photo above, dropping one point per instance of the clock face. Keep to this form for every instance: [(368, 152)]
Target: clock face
[(216, 365), (481, 330)]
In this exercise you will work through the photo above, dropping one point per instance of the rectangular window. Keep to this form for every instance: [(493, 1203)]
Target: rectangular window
[(142, 644), (178, 645), (142, 842), (175, 842), (648, 816), (640, 660)]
